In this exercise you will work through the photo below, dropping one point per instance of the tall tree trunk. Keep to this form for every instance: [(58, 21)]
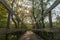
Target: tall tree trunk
[(16, 25), (36, 23), (12, 16), (42, 13), (33, 13)]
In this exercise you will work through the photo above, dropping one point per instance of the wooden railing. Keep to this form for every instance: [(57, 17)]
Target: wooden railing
[(12, 30)]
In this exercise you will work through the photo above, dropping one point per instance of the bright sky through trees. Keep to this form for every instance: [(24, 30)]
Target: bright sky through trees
[(28, 4), (56, 11)]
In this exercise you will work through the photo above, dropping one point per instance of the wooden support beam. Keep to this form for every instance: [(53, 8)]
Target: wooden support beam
[(50, 20), (10, 9), (8, 25), (52, 7)]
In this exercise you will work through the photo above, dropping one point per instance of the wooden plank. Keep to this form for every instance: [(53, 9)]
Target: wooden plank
[(12, 30), (6, 31), (56, 30)]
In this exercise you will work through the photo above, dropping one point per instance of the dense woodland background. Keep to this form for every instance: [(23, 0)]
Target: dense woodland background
[(30, 13)]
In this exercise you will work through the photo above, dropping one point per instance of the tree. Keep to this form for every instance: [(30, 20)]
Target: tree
[(3, 17), (58, 18)]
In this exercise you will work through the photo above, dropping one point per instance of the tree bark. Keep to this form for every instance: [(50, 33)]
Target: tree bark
[(42, 13)]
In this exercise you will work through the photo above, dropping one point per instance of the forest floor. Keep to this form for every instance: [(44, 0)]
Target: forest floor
[(29, 35)]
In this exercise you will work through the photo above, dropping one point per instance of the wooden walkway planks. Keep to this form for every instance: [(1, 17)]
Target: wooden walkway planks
[(29, 35)]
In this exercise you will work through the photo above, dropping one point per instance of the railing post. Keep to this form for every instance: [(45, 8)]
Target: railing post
[(8, 23), (51, 25), (50, 20)]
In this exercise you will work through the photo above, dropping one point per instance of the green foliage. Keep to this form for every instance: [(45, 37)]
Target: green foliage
[(3, 17), (46, 24), (56, 24), (29, 26), (2, 37), (11, 37)]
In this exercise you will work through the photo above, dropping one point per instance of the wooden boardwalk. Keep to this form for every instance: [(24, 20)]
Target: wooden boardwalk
[(29, 35)]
